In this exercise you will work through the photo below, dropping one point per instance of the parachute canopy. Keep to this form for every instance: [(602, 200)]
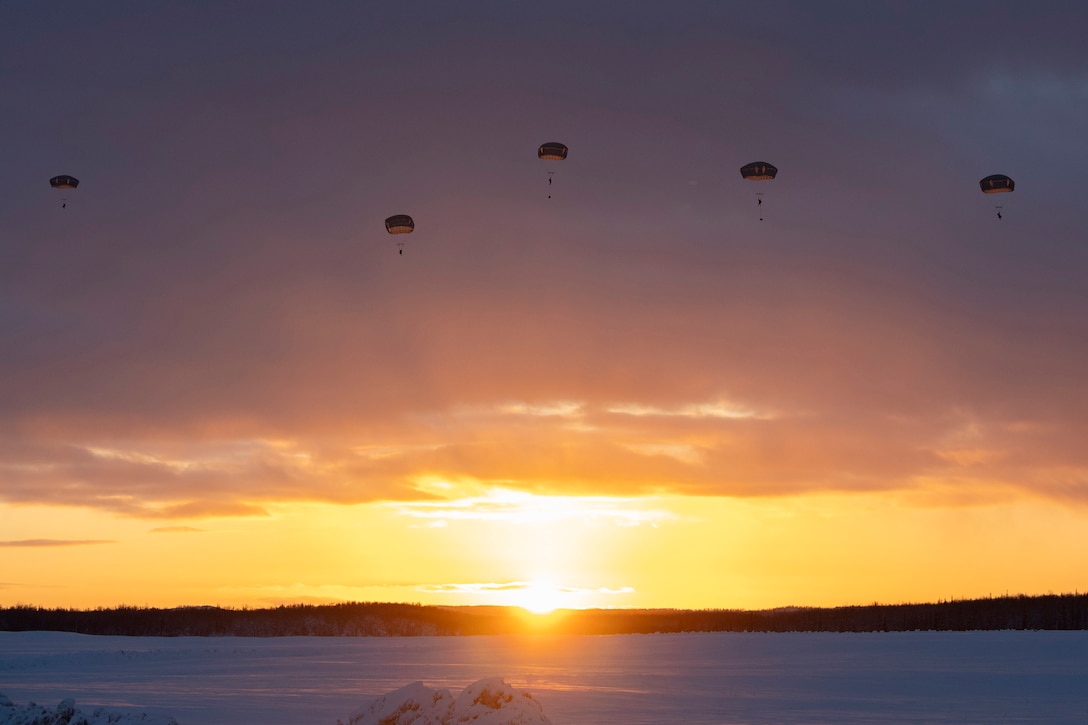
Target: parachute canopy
[(64, 182), (400, 224), (553, 151), (758, 171), (997, 184)]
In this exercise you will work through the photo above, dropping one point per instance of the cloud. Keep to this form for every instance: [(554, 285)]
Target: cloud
[(692, 410), (442, 469), (516, 586), (247, 336), (503, 504)]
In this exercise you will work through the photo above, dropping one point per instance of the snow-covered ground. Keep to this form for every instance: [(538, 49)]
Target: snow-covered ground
[(487, 702), (66, 713), (726, 679)]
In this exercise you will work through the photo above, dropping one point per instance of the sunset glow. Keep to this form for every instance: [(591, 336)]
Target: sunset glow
[(640, 385)]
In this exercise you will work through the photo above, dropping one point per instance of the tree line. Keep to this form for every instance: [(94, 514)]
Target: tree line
[(381, 619)]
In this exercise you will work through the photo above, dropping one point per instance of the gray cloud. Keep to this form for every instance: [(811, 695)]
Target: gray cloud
[(219, 322)]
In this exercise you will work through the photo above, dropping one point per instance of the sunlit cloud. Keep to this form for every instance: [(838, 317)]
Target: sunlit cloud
[(620, 591), (682, 452), (474, 588), (515, 586), (644, 450), (560, 409), (538, 596), (140, 458), (966, 457), (551, 409), (691, 410), (175, 530), (382, 452), (508, 505)]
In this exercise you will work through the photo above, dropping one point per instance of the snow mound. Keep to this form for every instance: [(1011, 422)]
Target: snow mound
[(487, 702), (66, 714)]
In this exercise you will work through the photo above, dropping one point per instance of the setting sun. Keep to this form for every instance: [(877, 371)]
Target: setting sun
[(539, 597)]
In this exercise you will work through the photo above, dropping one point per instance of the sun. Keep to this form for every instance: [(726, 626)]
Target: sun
[(539, 597)]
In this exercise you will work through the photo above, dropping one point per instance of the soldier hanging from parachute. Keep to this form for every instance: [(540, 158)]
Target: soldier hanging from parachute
[(997, 184), (759, 171), (64, 182), (400, 224), (551, 151)]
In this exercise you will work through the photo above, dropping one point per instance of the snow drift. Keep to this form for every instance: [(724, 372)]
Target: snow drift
[(487, 702)]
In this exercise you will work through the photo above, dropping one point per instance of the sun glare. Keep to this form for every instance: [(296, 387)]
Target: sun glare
[(539, 598)]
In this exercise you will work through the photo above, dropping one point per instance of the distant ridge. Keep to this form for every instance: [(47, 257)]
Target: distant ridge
[(376, 619)]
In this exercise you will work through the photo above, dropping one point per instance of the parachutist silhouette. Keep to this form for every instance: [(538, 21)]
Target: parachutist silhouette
[(552, 151), (64, 181), (997, 184), (759, 171), (400, 224)]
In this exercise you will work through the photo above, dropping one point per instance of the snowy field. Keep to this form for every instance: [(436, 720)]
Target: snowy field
[(911, 677)]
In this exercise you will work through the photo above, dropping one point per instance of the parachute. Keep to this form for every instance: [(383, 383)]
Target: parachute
[(400, 224), (759, 171), (64, 182), (997, 184), (552, 151)]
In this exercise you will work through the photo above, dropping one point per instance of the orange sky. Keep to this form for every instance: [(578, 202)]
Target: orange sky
[(220, 383)]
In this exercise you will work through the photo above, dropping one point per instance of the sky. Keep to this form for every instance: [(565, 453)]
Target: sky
[(221, 384)]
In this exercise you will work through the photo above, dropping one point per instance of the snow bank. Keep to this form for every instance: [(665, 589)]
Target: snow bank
[(487, 702), (67, 714)]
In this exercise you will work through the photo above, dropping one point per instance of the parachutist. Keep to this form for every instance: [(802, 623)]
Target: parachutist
[(64, 181), (400, 224), (552, 151), (759, 171), (997, 184)]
